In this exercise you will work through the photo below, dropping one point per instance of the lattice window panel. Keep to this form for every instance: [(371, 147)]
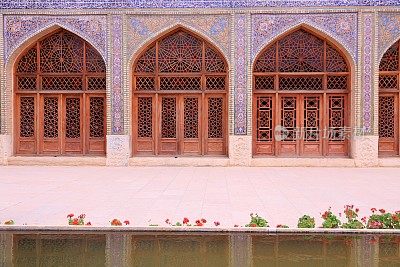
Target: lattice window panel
[(97, 112), (73, 118), (147, 62), (311, 118), (388, 82), (180, 83), (300, 83), (301, 52), (215, 111), (168, 117), (145, 83), (336, 118), (28, 62), (387, 107), (96, 83), (264, 82), (180, 52), (27, 83), (50, 117), (213, 61), (61, 53), (94, 61), (267, 61), (288, 118), (390, 60), (191, 117), (145, 119), (335, 61), (215, 83), (337, 82), (62, 83), (264, 119), (27, 116)]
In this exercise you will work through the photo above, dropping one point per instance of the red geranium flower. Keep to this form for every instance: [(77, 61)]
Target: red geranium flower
[(253, 225), (70, 215), (185, 220), (197, 221), (82, 216), (395, 217), (216, 223), (236, 225), (167, 221), (373, 210), (89, 223), (203, 220), (126, 222), (357, 210), (75, 221), (382, 210)]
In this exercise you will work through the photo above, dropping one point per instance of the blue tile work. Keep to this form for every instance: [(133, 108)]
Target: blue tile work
[(389, 31), (100, 4)]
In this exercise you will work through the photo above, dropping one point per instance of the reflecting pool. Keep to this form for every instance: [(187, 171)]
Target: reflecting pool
[(125, 248)]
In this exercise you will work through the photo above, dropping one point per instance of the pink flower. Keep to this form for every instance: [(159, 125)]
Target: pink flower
[(236, 225), (70, 215), (88, 223), (185, 220), (216, 223), (82, 216), (357, 210), (373, 210), (203, 220)]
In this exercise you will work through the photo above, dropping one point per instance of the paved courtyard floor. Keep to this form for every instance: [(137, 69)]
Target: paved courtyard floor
[(149, 195)]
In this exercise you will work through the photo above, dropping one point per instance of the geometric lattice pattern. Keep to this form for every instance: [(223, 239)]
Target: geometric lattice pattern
[(73, 118), (300, 83), (388, 82), (288, 117), (336, 118), (390, 60), (215, 123), (28, 62), (50, 117), (264, 119), (215, 83), (27, 114), (26, 83), (387, 116), (191, 117), (168, 117), (337, 82), (96, 83), (145, 83), (311, 118), (96, 125), (264, 82), (145, 119), (62, 83), (180, 83)]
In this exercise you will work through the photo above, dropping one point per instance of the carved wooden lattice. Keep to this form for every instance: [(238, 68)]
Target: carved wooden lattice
[(27, 114), (316, 72), (180, 64), (64, 64), (389, 71), (387, 116), (96, 117), (191, 117), (145, 108), (73, 118), (168, 120), (50, 117)]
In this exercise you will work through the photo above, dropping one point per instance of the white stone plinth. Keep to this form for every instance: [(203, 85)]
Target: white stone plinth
[(240, 153), (365, 151), (118, 150), (5, 148)]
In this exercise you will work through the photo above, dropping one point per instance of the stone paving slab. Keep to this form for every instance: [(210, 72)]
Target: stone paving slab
[(36, 195)]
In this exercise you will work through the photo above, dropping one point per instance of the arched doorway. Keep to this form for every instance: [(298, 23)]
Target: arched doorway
[(180, 87), (301, 85), (389, 69), (60, 97)]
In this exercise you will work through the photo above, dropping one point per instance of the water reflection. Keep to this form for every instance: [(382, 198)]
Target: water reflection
[(195, 249)]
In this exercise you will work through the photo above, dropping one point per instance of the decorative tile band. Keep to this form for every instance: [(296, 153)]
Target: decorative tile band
[(367, 71), (17, 29), (241, 74), (117, 101), (342, 27), (101, 4)]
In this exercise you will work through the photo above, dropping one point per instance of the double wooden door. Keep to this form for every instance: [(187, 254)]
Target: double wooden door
[(63, 124), (388, 124), (180, 124), (300, 125)]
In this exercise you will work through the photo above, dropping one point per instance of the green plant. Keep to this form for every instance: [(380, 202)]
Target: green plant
[(384, 220), (352, 215), (306, 222), (257, 221), (330, 220)]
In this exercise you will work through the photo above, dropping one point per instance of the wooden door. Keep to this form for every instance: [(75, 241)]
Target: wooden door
[(289, 116), (388, 124), (168, 124), (50, 124), (311, 125), (215, 132), (190, 125), (95, 130), (72, 124), (26, 110)]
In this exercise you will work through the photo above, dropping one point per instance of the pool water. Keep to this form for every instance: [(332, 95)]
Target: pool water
[(197, 249)]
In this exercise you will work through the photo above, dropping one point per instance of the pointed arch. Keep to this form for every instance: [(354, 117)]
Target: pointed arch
[(314, 30), (180, 89), (302, 85), (60, 94)]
